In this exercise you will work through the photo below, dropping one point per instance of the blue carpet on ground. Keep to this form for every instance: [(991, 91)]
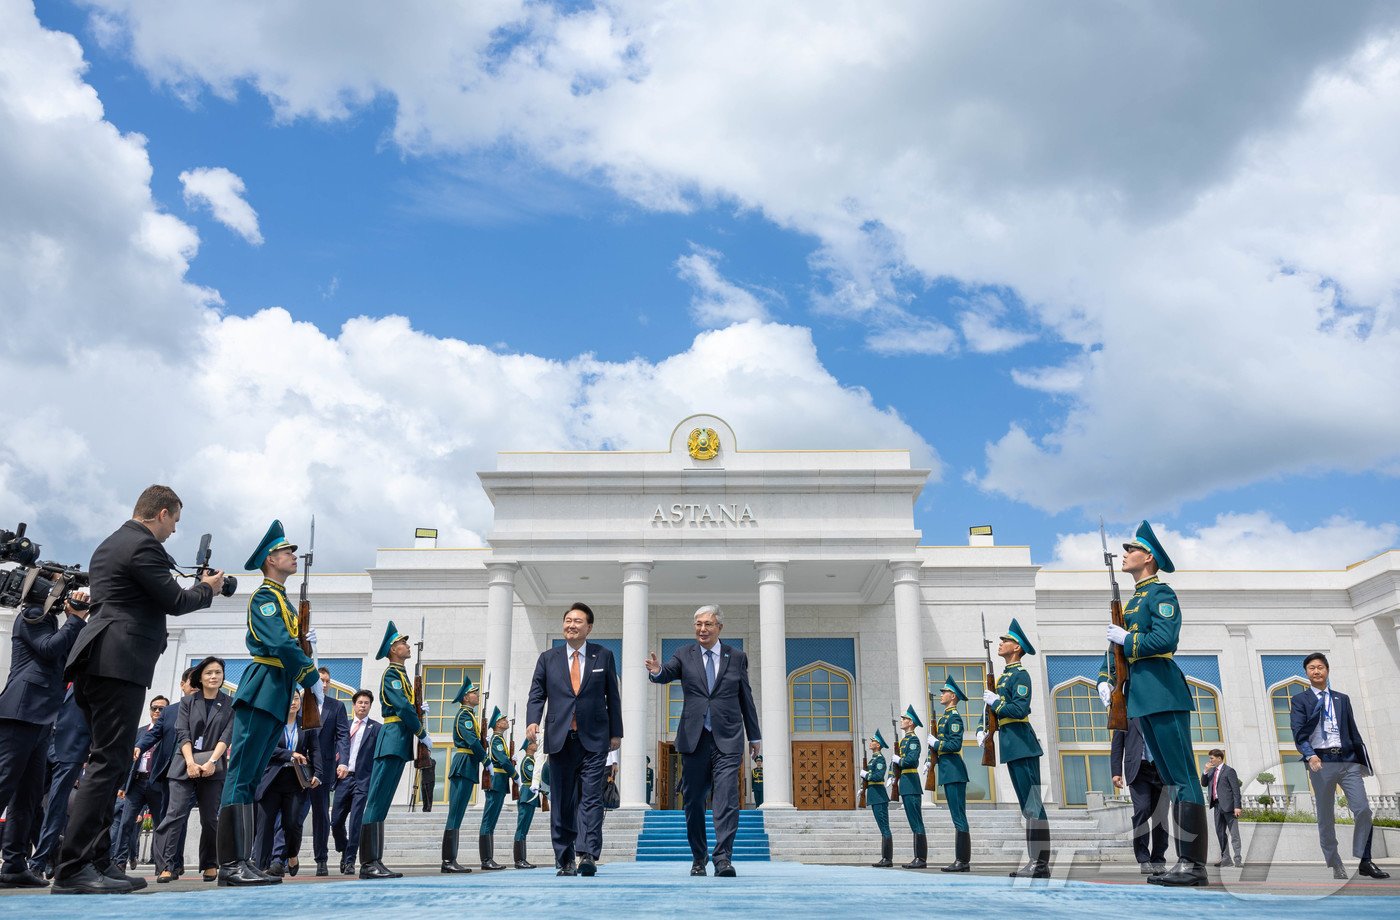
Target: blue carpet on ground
[(635, 889)]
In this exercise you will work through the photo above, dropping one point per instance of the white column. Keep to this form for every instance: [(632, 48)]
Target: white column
[(636, 688), (909, 641), (500, 610), (773, 680)]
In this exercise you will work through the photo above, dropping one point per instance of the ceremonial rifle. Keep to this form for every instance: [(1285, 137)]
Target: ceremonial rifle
[(865, 769), (1118, 698), (486, 738), (515, 780), (310, 711), (931, 778), (989, 718), (424, 758), (899, 764)]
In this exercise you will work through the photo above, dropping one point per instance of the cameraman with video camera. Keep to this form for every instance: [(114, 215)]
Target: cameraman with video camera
[(111, 666), (29, 705)]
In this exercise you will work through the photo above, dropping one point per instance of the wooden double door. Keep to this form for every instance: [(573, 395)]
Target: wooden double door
[(667, 791), (823, 775)]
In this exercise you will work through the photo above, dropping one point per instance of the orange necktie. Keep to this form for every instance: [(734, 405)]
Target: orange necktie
[(574, 679)]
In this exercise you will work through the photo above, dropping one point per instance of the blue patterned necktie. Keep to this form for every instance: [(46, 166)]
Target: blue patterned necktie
[(710, 670)]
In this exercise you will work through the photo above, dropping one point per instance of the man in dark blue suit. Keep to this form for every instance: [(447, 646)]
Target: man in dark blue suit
[(584, 722), (29, 706), (68, 749), (354, 765), (1325, 733), (717, 712), (1133, 768), (280, 795)]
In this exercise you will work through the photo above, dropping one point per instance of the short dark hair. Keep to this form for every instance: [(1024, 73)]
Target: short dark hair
[(1216, 752), (1316, 656), (155, 500), (159, 696), (197, 672), (580, 605), (188, 676), (324, 670), (362, 693)]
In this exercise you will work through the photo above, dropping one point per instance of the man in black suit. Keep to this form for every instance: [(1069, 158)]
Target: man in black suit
[(1132, 766), (1325, 733), (355, 764), (111, 666), (68, 750), (1223, 785), (335, 729), (584, 722), (280, 794), (29, 705), (718, 711)]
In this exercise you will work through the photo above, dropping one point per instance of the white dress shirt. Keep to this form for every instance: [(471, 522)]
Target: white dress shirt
[(357, 735), (1326, 734)]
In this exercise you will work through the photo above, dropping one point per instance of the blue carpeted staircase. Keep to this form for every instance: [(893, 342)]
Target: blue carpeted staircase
[(663, 837)]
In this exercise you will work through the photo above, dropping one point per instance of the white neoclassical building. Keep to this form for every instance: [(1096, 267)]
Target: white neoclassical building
[(846, 617)]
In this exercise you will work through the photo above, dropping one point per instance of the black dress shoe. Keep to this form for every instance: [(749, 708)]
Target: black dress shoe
[(1146, 869), (347, 868), (566, 868), (1184, 874), (114, 873), (697, 869), (587, 867), (1371, 870), (25, 878), (321, 868), (277, 868), (88, 880), (1340, 872), (725, 870), (293, 868)]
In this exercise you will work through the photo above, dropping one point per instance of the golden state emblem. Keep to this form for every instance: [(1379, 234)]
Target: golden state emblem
[(704, 443)]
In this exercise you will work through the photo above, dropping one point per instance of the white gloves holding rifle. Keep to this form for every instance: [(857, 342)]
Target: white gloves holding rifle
[(1105, 693)]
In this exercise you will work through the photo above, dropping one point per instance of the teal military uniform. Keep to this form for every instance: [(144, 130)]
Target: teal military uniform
[(651, 779), (265, 693), (396, 741), (502, 771), (1021, 752), (911, 789), (756, 777), (529, 801), (468, 754), (876, 795), (945, 750)]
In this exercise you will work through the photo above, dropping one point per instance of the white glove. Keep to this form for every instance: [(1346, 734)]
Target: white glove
[(865, 774), (981, 736), (320, 693), (1117, 635), (425, 739), (923, 771), (426, 710), (1105, 692), (311, 637), (990, 697)]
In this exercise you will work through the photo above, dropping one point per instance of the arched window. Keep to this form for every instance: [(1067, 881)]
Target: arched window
[(1079, 714), (1295, 772), (1082, 726), (820, 698), (1205, 722)]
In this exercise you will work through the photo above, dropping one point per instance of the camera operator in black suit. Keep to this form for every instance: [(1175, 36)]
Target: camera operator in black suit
[(111, 666), (29, 705)]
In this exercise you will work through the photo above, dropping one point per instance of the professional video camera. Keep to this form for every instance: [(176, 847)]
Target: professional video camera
[(202, 567), (32, 582)]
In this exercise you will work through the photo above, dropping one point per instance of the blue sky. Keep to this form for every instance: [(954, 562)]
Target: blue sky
[(1127, 309)]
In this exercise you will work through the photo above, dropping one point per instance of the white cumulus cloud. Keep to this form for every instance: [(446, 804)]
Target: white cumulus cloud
[(716, 301), (219, 190)]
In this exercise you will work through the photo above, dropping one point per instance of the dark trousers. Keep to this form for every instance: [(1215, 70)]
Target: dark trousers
[(709, 772), (141, 794), (170, 835), (317, 802), (23, 763), (113, 708), (1149, 829), (350, 796), (282, 801), (1227, 826), (61, 781), (577, 777)]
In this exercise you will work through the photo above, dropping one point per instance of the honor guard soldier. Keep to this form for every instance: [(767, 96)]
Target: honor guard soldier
[(502, 772), (468, 754), (878, 798), (278, 669), (945, 752), (756, 777), (1020, 749), (394, 749), (529, 801), (1158, 697), (911, 791), (651, 779)]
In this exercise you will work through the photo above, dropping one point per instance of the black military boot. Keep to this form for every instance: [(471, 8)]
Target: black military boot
[(372, 852), (487, 844), (1192, 849), (518, 851), (1038, 851), (234, 845), (962, 853), (920, 860), (449, 852), (886, 853)]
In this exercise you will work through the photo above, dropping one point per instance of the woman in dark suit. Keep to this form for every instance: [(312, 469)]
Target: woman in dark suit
[(202, 732)]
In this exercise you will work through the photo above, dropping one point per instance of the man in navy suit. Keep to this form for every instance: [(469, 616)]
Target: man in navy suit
[(1325, 733), (354, 765), (335, 729), (29, 705), (584, 722), (718, 711), (1133, 768), (280, 795), (68, 750)]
